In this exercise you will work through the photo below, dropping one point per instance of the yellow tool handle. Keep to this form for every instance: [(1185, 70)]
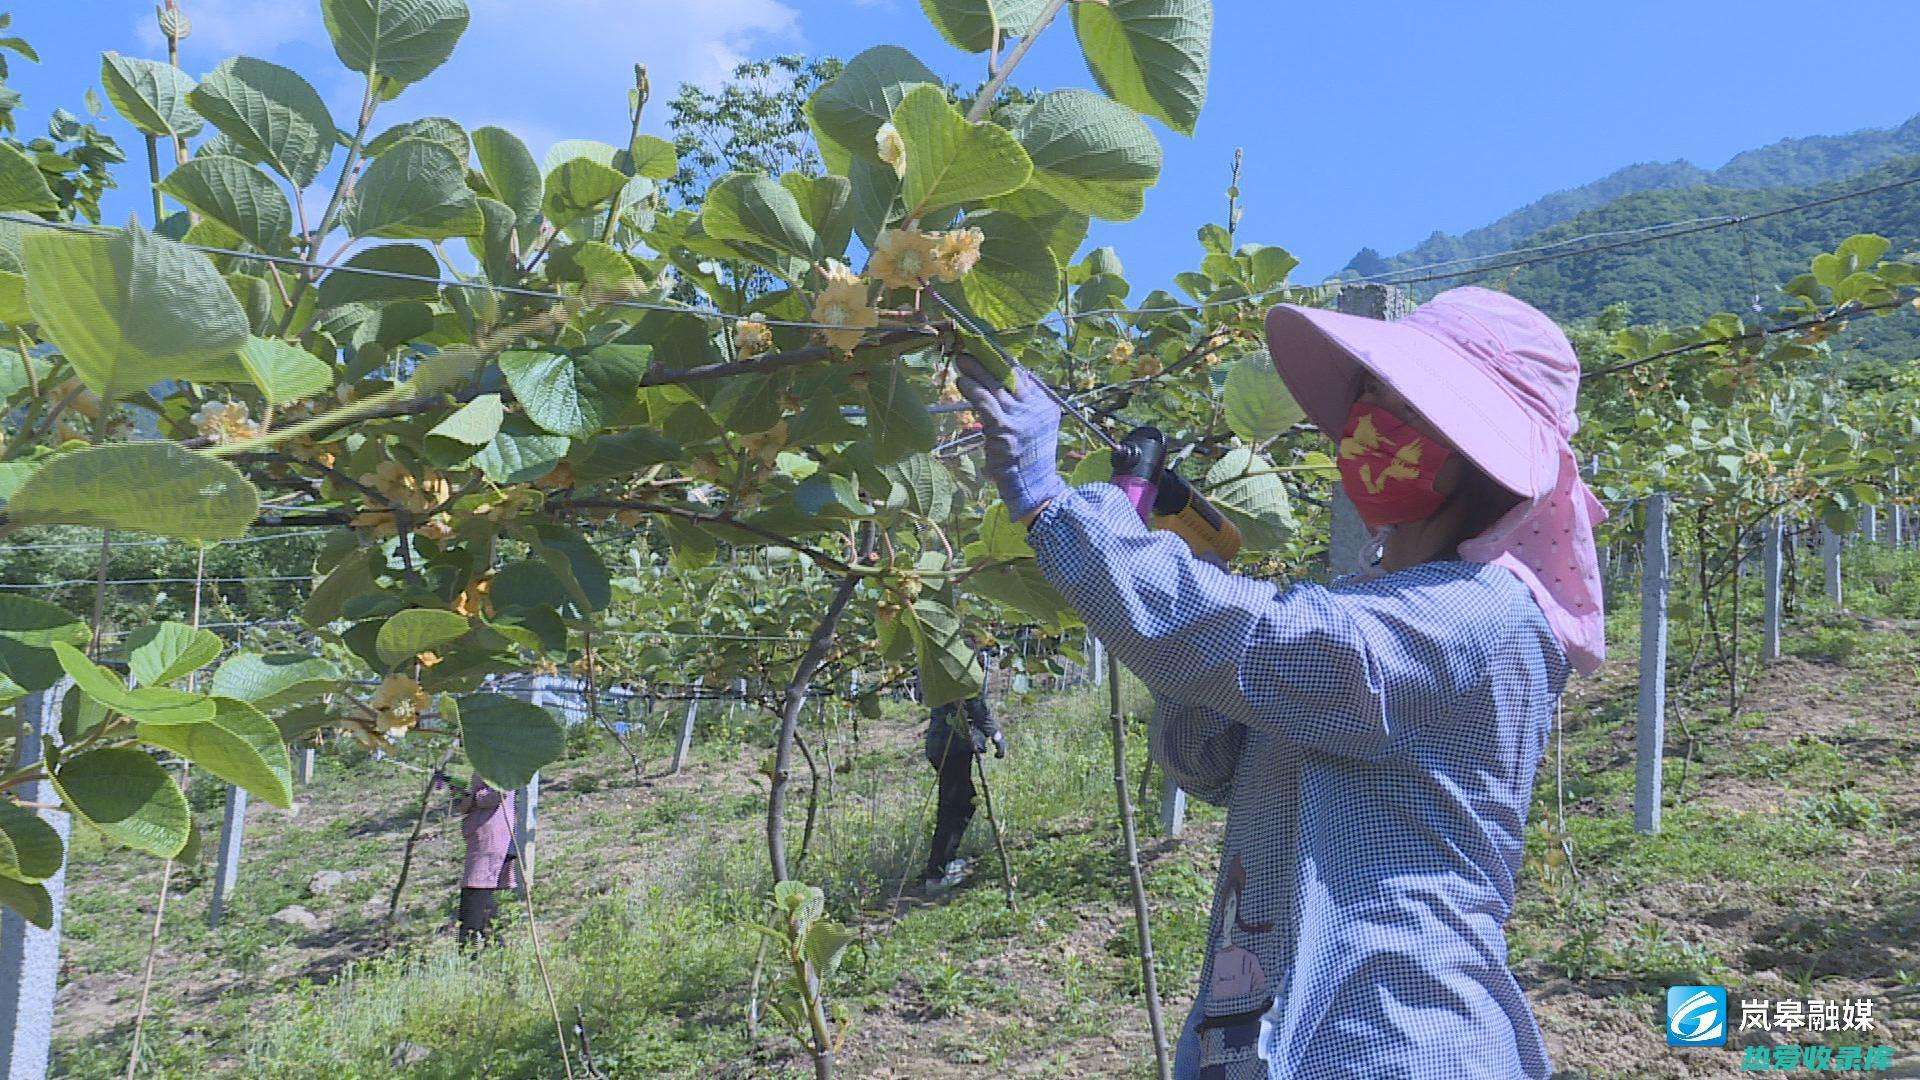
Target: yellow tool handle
[(1185, 513)]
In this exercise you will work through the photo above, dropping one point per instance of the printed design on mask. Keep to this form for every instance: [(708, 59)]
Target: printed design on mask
[(1388, 467), (1236, 970), (1367, 442)]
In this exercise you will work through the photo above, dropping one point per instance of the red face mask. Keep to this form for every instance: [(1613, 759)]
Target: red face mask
[(1388, 467)]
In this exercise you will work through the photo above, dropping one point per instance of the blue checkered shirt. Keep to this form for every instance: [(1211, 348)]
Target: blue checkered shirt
[(1375, 745)]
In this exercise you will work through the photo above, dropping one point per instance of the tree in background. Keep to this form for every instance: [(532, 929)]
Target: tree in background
[(756, 120)]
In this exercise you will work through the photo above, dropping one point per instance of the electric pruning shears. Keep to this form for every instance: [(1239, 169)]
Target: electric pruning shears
[(1162, 497)]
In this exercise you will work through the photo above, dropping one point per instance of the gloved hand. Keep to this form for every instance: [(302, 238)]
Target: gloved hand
[(1022, 430), (999, 745)]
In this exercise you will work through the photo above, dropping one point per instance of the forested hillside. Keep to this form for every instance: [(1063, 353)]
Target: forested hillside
[(1680, 280), (1788, 164)]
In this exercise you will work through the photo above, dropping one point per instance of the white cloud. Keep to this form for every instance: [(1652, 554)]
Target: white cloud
[(234, 27), (678, 41)]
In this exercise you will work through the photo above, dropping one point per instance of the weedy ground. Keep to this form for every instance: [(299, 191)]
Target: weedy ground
[(1785, 866)]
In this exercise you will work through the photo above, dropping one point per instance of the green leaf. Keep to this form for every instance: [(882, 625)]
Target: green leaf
[(152, 96), (126, 795), (755, 209), (283, 372), (1150, 55), (30, 901), (1000, 537), (850, 108), (22, 186), (520, 453), (351, 577), (654, 157), (875, 189), (1016, 282), (343, 285), (574, 395), (27, 628), (13, 299), (970, 24), (148, 705), (949, 668), (274, 680), (623, 454), (239, 745), (473, 424), (897, 416), (158, 653), (1023, 588), (417, 630), (1063, 230), (825, 945), (950, 161), (510, 171), (132, 309), (1259, 405), (181, 493), (1243, 487), (693, 547), (507, 739), (1092, 154), (924, 485), (272, 113), (578, 185), (825, 205), (415, 191), (30, 849), (440, 129), (399, 41), (237, 195)]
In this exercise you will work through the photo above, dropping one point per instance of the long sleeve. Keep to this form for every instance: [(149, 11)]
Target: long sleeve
[(1199, 748), (1314, 666), (484, 797)]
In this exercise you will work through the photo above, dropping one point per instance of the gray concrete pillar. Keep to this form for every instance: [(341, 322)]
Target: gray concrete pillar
[(686, 727), (1770, 640), (226, 870), (1650, 735), (1830, 546), (30, 956), (303, 765), (526, 825), (1173, 808)]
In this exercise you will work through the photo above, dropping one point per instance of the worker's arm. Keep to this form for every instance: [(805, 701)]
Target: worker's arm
[(1307, 664), (1199, 748), (484, 797)]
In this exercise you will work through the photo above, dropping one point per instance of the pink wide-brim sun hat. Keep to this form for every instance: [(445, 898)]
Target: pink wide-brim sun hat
[(1492, 375)]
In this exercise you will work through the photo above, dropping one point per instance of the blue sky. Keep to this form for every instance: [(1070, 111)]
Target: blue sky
[(1364, 123)]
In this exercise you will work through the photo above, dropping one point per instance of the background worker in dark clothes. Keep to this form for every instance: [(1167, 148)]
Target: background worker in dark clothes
[(955, 736)]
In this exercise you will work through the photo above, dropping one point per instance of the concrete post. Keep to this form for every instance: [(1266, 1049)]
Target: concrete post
[(303, 766), (1097, 660), (1173, 808), (30, 956), (1651, 730), (226, 871), (1770, 641), (686, 728), (1830, 545), (1873, 524), (1349, 535), (526, 826)]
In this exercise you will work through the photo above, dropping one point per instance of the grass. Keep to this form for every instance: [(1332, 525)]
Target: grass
[(1787, 862)]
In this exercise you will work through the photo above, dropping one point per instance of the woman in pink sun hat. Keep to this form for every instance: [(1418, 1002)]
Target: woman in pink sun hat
[(1374, 741)]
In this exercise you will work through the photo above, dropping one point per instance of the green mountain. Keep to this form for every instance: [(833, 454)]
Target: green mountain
[(1797, 163)]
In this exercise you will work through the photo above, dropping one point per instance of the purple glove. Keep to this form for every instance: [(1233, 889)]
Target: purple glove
[(1022, 430)]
